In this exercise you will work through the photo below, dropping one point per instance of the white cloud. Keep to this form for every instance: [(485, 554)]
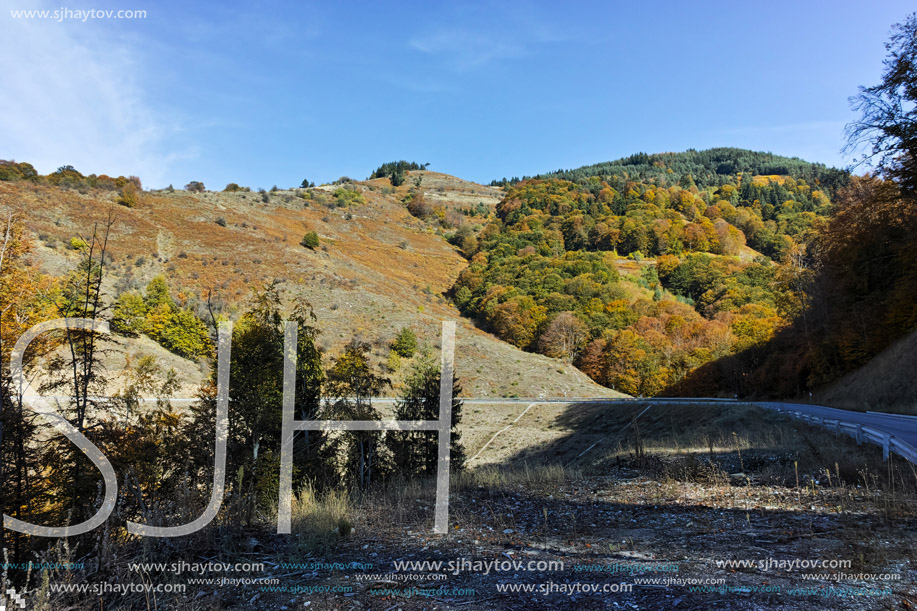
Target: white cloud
[(70, 94), (465, 49)]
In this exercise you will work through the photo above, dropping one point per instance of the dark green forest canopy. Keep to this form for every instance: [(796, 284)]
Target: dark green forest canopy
[(394, 167), (707, 168)]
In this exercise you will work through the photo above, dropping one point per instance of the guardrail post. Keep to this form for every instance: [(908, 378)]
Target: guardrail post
[(862, 433)]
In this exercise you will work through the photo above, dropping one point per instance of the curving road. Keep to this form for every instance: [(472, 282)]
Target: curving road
[(901, 427)]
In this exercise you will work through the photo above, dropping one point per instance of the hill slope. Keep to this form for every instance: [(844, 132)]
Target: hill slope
[(377, 268), (710, 167), (714, 261), (885, 383)]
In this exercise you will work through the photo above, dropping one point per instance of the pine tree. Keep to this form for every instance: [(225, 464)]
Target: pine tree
[(352, 383), (416, 453), (405, 343)]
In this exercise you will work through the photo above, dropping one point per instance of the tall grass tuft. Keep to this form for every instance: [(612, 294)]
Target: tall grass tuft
[(318, 520)]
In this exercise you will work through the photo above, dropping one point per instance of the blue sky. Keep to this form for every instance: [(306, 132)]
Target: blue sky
[(265, 93)]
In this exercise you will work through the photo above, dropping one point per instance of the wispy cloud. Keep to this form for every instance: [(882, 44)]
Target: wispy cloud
[(465, 49), (76, 96)]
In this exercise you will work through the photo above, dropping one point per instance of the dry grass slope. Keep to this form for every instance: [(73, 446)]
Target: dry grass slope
[(377, 269)]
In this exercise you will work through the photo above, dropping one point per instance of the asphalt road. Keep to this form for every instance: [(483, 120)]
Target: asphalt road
[(903, 428)]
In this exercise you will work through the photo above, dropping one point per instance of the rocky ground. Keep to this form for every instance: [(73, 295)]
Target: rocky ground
[(653, 539)]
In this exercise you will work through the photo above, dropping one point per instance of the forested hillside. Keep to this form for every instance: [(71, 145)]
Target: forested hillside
[(711, 167), (643, 269), (857, 298), (857, 290)]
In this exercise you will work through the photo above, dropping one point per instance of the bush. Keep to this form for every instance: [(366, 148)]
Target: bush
[(393, 363), (130, 195), (156, 315), (10, 170), (186, 335), (78, 243), (405, 344), (233, 188), (310, 240), (195, 187), (157, 293), (348, 195), (129, 314), (417, 205)]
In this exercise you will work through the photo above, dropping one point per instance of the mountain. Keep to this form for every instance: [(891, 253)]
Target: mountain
[(643, 273), (707, 168), (643, 269), (376, 269)]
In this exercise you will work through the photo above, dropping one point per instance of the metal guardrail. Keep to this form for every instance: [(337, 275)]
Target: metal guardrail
[(905, 417), (861, 432), (386, 400)]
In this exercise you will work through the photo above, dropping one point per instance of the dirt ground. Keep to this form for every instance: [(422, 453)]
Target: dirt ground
[(650, 521)]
